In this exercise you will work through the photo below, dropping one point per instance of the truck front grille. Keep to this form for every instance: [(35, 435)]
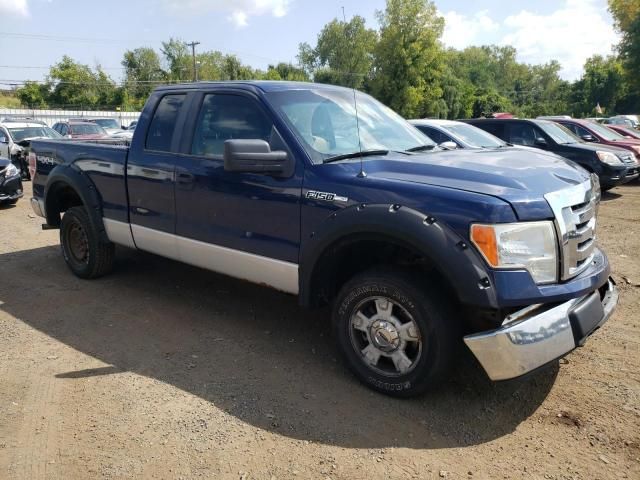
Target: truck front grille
[(575, 211)]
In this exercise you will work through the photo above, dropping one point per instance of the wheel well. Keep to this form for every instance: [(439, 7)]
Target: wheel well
[(61, 197), (345, 258)]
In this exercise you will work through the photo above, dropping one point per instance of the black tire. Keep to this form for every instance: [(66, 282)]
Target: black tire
[(414, 298), (85, 254)]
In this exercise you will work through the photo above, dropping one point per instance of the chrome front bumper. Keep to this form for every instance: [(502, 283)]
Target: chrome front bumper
[(540, 334)]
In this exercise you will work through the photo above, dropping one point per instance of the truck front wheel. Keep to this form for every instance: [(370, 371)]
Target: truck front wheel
[(84, 252), (397, 334)]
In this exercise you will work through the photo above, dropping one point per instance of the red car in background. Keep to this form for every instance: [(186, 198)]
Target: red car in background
[(80, 130), (625, 131), (597, 133)]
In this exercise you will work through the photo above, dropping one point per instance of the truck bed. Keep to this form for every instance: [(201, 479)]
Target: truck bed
[(103, 161)]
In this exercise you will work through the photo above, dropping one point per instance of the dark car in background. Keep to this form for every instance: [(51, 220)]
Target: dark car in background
[(596, 133), (80, 130), (10, 182), (614, 166)]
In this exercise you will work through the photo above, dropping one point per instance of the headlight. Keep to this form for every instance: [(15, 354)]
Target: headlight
[(529, 245), (11, 170), (609, 158)]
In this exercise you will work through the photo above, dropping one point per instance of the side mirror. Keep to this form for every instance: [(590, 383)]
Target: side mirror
[(4, 139), (448, 145), (540, 143), (253, 156), (588, 138)]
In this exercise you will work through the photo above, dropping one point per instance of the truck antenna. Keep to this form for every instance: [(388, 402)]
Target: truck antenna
[(362, 173)]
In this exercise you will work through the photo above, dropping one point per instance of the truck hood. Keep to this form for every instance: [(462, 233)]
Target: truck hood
[(520, 177)]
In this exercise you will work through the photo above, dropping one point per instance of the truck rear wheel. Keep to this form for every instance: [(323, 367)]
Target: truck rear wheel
[(85, 254), (397, 334)]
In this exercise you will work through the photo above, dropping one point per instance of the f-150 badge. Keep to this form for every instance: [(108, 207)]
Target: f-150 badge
[(326, 196)]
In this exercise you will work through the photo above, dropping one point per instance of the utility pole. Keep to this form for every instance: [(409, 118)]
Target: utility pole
[(344, 17), (193, 54)]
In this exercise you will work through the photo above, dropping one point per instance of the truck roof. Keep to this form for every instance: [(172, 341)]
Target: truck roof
[(264, 85)]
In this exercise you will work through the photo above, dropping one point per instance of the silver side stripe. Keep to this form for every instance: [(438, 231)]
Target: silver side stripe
[(235, 263), (119, 232)]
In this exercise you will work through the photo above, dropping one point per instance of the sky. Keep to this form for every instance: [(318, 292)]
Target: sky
[(35, 34)]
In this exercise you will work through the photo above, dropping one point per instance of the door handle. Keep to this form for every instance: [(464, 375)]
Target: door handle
[(184, 178)]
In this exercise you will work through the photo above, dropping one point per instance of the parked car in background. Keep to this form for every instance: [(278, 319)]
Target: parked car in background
[(80, 130), (460, 133), (625, 131), (10, 182), (110, 125), (18, 119), (628, 120), (15, 141), (595, 133), (132, 125), (614, 166)]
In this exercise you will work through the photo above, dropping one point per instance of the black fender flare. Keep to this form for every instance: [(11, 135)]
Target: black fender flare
[(449, 253), (75, 178)]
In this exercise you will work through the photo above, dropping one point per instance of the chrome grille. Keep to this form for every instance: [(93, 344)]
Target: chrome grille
[(575, 211)]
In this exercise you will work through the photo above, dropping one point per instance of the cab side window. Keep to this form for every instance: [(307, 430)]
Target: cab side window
[(228, 117), (163, 123)]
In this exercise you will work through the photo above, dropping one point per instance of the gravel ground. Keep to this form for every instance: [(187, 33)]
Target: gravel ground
[(161, 370)]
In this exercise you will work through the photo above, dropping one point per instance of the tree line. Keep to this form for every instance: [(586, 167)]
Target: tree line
[(402, 62)]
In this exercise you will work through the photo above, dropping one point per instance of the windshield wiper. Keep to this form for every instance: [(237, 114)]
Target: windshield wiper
[(364, 153), (421, 148)]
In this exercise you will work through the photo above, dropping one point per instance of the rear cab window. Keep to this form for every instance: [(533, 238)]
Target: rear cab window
[(163, 124)]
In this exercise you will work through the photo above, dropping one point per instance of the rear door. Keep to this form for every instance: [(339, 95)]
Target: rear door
[(242, 224), (151, 176)]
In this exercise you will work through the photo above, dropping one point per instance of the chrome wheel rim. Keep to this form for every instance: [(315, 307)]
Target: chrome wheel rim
[(385, 336)]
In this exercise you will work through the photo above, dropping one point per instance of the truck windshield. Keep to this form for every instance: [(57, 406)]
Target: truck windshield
[(20, 133), (324, 120), (560, 134)]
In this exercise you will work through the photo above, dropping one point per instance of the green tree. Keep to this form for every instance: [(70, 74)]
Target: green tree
[(626, 14), (408, 57), (142, 73), (34, 94), (178, 60), (343, 54), (74, 85), (601, 83)]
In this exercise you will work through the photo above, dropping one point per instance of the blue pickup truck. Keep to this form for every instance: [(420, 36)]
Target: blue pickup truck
[(325, 193)]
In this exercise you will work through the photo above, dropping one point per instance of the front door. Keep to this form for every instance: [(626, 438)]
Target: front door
[(243, 224)]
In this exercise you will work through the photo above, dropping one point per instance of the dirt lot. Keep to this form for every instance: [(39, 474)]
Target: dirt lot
[(161, 370)]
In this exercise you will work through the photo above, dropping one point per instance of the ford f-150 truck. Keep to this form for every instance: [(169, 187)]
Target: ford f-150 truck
[(325, 193)]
